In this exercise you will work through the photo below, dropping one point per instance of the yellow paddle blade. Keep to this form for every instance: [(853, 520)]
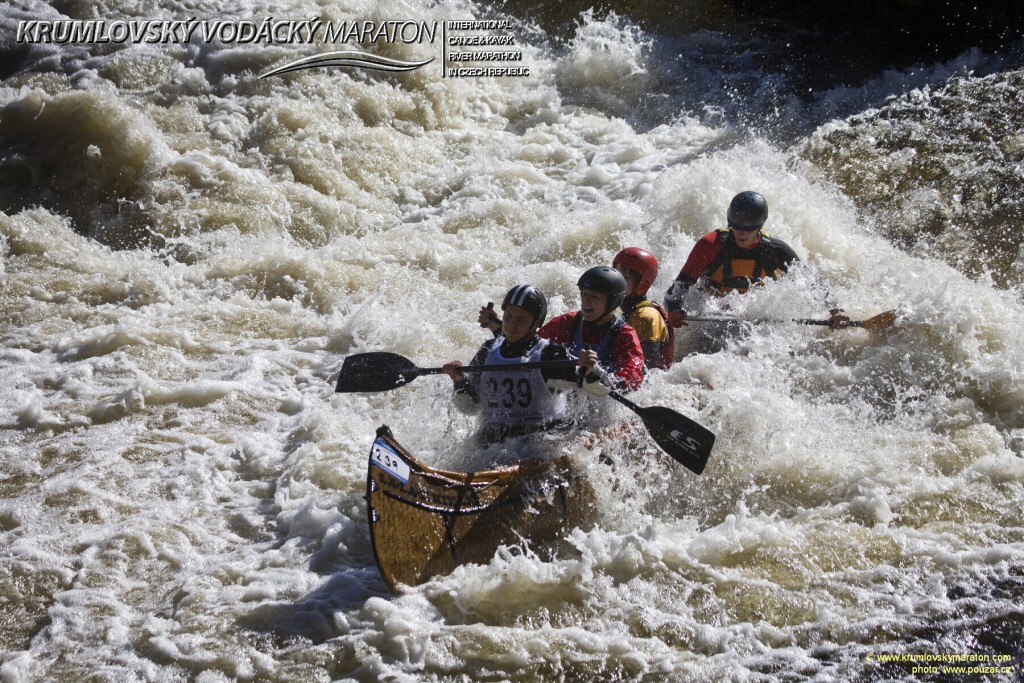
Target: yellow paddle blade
[(882, 321)]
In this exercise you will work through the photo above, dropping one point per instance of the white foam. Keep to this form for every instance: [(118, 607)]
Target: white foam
[(183, 490)]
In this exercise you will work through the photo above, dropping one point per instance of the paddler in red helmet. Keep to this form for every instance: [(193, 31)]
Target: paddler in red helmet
[(639, 267)]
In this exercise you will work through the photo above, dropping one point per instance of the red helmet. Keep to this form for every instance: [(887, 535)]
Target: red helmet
[(641, 262)]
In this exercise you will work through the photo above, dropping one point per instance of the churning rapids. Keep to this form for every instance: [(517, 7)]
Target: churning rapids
[(188, 252)]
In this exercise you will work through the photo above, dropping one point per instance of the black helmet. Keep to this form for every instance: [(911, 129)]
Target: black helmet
[(529, 298), (747, 211), (606, 280)]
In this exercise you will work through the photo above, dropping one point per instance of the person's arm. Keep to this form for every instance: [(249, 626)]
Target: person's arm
[(701, 257), (467, 385), (558, 378), (628, 373), (838, 318), (677, 290), (489, 319), (784, 255), (629, 358), (558, 330)]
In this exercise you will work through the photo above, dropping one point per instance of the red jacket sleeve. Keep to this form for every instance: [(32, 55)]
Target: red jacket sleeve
[(628, 356), (697, 263), (629, 359), (701, 256), (558, 330)]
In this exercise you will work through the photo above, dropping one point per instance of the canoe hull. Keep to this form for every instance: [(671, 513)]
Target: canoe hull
[(425, 522)]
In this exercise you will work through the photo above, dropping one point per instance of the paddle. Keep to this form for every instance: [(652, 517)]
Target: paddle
[(383, 371), (686, 441), (679, 436), (874, 323), (494, 316)]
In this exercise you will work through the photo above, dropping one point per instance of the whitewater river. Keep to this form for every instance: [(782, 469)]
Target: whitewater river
[(189, 251)]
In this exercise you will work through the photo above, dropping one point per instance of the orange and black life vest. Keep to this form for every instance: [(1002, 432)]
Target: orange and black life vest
[(739, 269)]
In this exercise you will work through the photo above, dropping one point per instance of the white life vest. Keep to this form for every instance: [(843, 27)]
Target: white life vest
[(517, 396)]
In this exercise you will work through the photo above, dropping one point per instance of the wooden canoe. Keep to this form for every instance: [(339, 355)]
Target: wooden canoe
[(425, 522)]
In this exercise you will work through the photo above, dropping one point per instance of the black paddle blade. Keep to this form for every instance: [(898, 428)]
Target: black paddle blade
[(375, 371), (686, 441)]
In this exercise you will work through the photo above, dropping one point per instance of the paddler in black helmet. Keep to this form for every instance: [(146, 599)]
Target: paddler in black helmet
[(522, 400), (736, 258), (598, 329)]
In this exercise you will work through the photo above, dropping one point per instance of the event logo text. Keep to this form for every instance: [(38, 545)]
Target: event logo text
[(269, 31), (474, 47)]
